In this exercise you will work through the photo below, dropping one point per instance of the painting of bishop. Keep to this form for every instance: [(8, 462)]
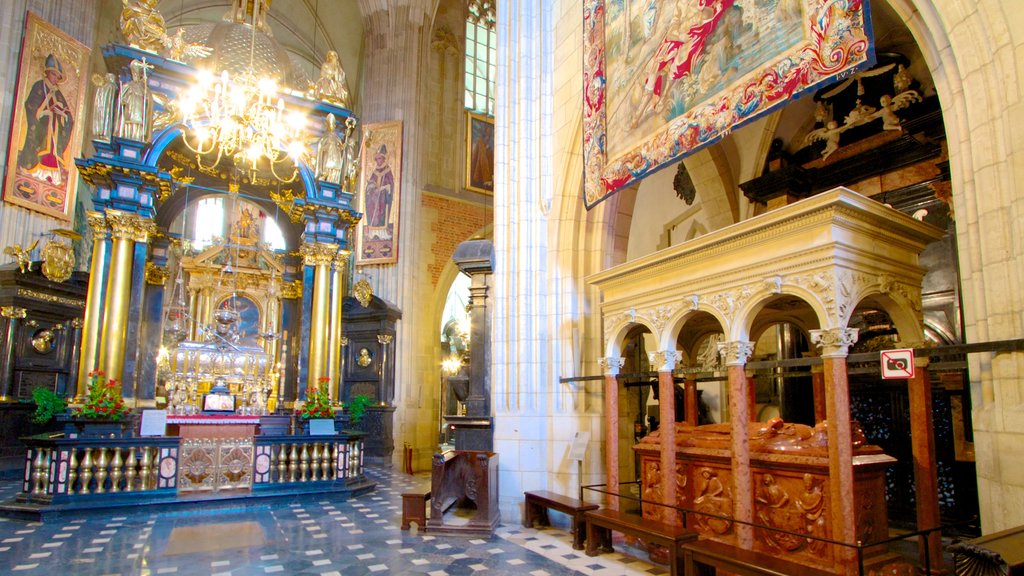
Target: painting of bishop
[(381, 177), (45, 135)]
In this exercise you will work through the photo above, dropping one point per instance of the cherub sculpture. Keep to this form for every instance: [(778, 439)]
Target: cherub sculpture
[(22, 255)]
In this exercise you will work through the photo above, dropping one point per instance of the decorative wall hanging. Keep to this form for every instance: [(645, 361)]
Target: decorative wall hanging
[(479, 153), (664, 79), (46, 120), (380, 191)]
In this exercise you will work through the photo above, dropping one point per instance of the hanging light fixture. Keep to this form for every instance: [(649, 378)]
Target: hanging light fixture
[(244, 117)]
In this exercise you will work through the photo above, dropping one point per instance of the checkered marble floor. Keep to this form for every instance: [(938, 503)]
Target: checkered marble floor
[(309, 536)]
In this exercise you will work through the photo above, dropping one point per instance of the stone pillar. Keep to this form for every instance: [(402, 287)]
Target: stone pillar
[(319, 256), (89, 357), (9, 317), (475, 430), (926, 476), (834, 344), (334, 340), (611, 367), (736, 354), (126, 229), (665, 362)]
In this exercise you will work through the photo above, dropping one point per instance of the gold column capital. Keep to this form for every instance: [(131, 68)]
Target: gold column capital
[(341, 259), (97, 222), (318, 253), (13, 312), (385, 338), (127, 226)]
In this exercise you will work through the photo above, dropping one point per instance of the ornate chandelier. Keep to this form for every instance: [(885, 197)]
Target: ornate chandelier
[(245, 119)]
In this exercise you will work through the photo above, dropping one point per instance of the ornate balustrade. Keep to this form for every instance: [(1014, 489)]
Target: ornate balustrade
[(81, 473)]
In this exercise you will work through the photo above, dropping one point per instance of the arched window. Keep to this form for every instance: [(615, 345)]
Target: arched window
[(481, 44)]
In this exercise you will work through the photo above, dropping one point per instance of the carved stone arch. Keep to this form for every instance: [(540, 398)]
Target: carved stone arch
[(765, 292), (616, 335), (907, 320), (692, 306)]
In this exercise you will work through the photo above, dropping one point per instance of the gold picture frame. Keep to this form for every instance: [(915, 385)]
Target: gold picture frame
[(479, 153), (47, 120), (380, 188)]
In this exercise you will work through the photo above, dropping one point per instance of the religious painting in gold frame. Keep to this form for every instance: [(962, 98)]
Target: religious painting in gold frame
[(380, 190), (46, 120), (479, 153)]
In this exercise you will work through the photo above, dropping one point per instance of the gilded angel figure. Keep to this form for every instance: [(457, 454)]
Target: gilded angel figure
[(142, 25)]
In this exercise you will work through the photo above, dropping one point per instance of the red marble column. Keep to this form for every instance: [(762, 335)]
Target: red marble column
[(926, 481), (818, 388), (665, 363), (691, 401), (611, 427), (740, 408), (751, 384), (834, 344)]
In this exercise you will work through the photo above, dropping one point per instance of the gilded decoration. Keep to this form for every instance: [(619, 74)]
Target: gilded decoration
[(127, 226), (363, 292), (53, 299), (23, 256), (58, 261), (12, 312), (385, 339), (156, 275), (364, 358), (142, 25), (291, 290), (97, 222), (318, 253)]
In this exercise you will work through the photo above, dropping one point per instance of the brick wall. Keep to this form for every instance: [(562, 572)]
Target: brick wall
[(450, 222)]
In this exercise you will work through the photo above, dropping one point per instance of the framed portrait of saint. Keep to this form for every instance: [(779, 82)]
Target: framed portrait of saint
[(479, 153), (380, 190), (46, 120)]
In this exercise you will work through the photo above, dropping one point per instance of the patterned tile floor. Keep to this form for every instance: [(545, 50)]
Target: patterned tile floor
[(310, 536)]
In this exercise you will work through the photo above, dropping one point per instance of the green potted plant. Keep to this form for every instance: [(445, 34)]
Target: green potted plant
[(357, 407), (48, 405)]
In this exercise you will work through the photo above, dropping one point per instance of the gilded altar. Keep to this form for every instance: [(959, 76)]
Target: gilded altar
[(789, 466)]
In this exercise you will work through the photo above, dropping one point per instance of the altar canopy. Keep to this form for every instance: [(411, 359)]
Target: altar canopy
[(664, 79)]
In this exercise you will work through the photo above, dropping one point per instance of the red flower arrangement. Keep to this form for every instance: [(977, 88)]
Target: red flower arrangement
[(103, 401), (318, 403)]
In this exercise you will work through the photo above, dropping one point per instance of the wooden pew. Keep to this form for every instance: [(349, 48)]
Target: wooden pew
[(600, 524), (740, 561), (536, 509), (414, 508)]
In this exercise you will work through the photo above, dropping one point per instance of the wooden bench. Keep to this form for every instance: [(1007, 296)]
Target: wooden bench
[(538, 502), (740, 561), (414, 508), (600, 524)]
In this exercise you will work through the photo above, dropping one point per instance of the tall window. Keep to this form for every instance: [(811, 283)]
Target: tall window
[(480, 57), (209, 222)]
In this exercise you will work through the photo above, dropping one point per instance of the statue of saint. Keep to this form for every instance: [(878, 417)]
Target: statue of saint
[(331, 85), (136, 105), (142, 25), (329, 156), (103, 106)]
